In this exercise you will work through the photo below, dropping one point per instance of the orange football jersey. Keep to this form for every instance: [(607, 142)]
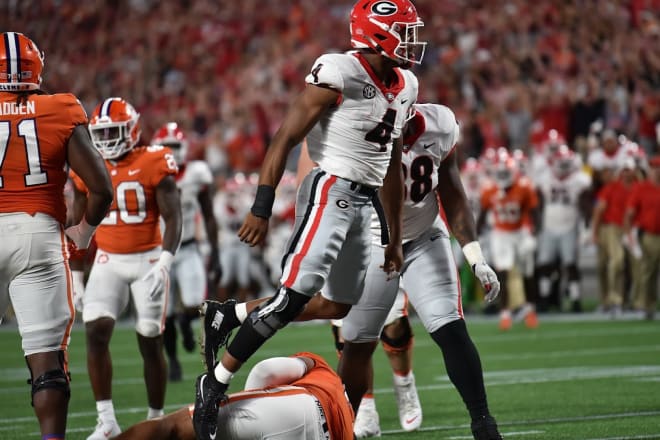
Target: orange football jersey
[(33, 137), (132, 224), (511, 208)]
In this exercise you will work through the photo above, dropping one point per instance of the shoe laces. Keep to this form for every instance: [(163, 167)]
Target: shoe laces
[(407, 397)]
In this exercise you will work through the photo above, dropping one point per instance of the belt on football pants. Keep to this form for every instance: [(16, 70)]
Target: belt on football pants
[(372, 193)]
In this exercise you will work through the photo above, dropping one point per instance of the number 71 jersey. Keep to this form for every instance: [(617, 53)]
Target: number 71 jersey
[(353, 139), (132, 223)]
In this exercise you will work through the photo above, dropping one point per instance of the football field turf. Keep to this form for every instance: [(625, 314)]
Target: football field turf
[(568, 379)]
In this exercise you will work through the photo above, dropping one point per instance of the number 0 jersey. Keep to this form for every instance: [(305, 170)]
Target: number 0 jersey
[(354, 139), (423, 151), (132, 224), (33, 138)]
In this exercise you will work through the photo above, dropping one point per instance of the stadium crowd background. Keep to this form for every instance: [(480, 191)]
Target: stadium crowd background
[(227, 70)]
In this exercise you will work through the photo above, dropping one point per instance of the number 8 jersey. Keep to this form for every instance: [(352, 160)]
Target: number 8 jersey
[(132, 224), (354, 140)]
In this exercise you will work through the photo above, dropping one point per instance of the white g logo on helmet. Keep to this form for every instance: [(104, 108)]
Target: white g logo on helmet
[(384, 8)]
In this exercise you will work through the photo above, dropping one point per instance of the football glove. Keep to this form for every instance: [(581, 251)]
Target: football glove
[(78, 289), (488, 280), (81, 234), (158, 277)]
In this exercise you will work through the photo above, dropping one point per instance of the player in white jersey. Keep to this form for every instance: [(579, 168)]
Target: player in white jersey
[(188, 275), (352, 108), (540, 161), (564, 194)]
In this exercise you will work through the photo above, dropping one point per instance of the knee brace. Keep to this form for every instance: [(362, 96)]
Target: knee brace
[(400, 343), (53, 379), (148, 328), (280, 310)]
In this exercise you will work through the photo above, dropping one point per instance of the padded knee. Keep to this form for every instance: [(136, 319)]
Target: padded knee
[(280, 310), (402, 342), (148, 328), (52, 379)]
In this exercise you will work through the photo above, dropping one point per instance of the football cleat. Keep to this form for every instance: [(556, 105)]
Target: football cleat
[(505, 322), (485, 428), (407, 400), (105, 430), (367, 422), (531, 320), (215, 329), (209, 393)]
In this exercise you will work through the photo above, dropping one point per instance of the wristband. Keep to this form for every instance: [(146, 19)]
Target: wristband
[(165, 260), (263, 202), (473, 254)]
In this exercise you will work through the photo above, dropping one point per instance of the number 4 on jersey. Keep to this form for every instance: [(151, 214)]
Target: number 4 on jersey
[(382, 133)]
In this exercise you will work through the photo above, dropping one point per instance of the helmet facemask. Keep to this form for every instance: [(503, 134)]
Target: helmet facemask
[(112, 139), (410, 50)]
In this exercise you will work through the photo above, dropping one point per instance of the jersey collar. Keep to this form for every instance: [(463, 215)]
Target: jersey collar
[(389, 92)]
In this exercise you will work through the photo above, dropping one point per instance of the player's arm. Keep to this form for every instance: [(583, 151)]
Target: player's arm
[(391, 195), (278, 371), (205, 200), (88, 164), (169, 205), (461, 222), (301, 117)]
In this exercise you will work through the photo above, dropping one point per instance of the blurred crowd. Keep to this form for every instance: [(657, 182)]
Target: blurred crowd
[(513, 71)]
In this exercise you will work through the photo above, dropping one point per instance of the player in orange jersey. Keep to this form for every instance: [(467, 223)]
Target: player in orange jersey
[(40, 136), (298, 397), (513, 203), (131, 256)]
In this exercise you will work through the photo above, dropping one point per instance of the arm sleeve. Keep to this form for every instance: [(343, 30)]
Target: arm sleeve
[(275, 371)]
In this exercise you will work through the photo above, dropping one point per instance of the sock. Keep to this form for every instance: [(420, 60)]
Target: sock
[(368, 402), (505, 314), (463, 366), (222, 374), (545, 284), (154, 413), (106, 410), (169, 337), (403, 379), (241, 312), (52, 437)]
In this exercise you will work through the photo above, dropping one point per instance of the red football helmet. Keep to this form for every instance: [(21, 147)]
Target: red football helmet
[(114, 127), (505, 169), (552, 142), (563, 162), (471, 173), (21, 63), (522, 160), (170, 135), (388, 27)]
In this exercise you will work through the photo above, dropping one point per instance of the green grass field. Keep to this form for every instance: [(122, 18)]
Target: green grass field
[(589, 379)]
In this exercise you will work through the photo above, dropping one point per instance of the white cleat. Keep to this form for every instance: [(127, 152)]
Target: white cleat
[(407, 400), (367, 422), (105, 430)]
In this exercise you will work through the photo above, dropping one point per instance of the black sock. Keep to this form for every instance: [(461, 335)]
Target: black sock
[(169, 337), (463, 366)]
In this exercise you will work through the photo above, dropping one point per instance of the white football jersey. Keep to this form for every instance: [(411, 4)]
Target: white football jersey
[(230, 206), (420, 161), (195, 176), (599, 159), (561, 200), (354, 139)]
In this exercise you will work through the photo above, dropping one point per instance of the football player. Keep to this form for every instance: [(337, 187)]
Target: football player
[(514, 205), (42, 135), (133, 259), (188, 275), (297, 397), (353, 107), (565, 194)]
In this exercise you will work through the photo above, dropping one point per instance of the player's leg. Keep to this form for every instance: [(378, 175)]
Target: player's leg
[(191, 278), (175, 372), (106, 295), (503, 248), (150, 316), (569, 258), (174, 426), (432, 286), (547, 254), (525, 262)]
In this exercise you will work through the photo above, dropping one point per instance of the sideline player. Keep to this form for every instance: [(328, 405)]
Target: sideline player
[(188, 275), (352, 108), (40, 136), (297, 397), (130, 261)]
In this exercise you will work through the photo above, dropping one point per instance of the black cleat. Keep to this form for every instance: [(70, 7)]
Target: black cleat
[(216, 328), (209, 393), (485, 428), (175, 373)]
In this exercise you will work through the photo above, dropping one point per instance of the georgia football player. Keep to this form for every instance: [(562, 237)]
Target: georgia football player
[(188, 279)]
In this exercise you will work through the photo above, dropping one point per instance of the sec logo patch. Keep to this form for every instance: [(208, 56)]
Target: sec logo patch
[(369, 91)]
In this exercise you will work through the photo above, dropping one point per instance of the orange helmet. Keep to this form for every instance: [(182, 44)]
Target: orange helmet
[(114, 127), (21, 63), (171, 135), (388, 27)]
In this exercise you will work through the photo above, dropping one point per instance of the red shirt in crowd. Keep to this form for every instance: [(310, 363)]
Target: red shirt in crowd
[(614, 195), (645, 201)]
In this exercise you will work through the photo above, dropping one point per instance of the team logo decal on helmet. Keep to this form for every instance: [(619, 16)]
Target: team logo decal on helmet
[(384, 8)]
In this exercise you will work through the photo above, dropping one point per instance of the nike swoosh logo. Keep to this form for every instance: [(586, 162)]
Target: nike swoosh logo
[(107, 434), (426, 146), (201, 386), (133, 172), (212, 436), (403, 101), (411, 420)]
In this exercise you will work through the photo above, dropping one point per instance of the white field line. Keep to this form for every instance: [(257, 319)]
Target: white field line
[(506, 434)]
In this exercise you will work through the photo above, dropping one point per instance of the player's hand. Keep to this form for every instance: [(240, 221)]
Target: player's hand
[(254, 230), (488, 280), (78, 289), (393, 260), (81, 234), (158, 278)]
